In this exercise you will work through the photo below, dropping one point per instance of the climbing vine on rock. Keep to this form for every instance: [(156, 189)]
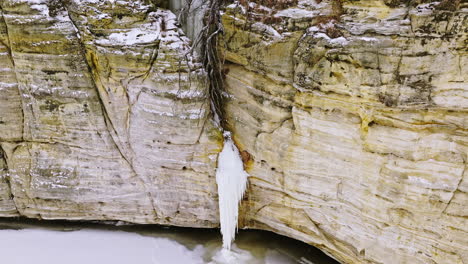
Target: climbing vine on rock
[(207, 42)]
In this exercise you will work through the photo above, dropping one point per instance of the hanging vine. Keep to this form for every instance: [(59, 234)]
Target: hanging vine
[(207, 42)]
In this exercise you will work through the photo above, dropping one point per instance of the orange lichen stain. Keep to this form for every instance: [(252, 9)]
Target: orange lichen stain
[(246, 159)]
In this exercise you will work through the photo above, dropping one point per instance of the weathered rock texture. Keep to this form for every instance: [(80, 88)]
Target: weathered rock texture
[(357, 126), (99, 118), (352, 118)]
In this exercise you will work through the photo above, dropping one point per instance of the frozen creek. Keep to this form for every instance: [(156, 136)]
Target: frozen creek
[(73, 243)]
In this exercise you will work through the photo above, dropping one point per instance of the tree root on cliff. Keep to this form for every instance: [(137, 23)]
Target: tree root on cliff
[(207, 42)]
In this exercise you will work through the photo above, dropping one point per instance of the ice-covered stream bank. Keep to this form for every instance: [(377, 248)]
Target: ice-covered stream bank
[(47, 243)]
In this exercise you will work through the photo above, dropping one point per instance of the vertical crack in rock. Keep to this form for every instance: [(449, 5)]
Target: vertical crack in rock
[(91, 67), (7, 44), (231, 178), (109, 124), (152, 60), (455, 189), (323, 233), (5, 179), (208, 42)]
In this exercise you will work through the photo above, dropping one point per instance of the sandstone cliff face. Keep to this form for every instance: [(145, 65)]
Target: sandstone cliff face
[(354, 116), (99, 119), (357, 126)]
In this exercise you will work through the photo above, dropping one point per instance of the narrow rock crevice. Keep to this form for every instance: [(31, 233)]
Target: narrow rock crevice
[(107, 120), (208, 42), (90, 65), (455, 190), (5, 175), (10, 56), (152, 60)]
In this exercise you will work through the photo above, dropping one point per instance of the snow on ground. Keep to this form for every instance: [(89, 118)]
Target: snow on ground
[(40, 246)]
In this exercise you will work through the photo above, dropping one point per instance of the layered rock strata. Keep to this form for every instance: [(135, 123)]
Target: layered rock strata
[(355, 120), (351, 117), (103, 115)]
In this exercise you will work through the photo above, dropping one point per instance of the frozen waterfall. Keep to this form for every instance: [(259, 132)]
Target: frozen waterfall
[(232, 182)]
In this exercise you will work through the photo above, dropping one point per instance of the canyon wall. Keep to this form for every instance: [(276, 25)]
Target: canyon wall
[(356, 124), (103, 117), (351, 116)]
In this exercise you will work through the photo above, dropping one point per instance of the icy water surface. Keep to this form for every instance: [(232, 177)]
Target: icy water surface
[(78, 243)]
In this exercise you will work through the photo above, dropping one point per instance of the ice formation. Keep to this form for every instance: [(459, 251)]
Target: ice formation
[(232, 181), (93, 246)]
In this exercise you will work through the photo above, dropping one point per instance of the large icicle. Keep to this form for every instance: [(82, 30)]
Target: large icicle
[(232, 181)]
